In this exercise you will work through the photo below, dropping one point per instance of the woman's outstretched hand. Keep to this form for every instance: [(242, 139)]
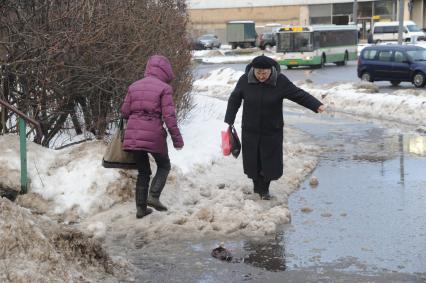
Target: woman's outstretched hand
[(321, 108)]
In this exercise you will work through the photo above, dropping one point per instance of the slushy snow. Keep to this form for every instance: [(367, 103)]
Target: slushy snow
[(207, 193)]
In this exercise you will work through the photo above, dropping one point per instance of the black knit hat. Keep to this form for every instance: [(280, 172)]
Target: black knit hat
[(262, 62)]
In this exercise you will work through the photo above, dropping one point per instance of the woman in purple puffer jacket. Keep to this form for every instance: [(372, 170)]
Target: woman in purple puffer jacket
[(147, 105)]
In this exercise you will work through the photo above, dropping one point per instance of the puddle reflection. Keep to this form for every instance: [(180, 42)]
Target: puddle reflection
[(266, 254), (415, 145)]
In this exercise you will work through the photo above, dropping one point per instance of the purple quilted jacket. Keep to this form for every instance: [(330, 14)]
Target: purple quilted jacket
[(147, 104)]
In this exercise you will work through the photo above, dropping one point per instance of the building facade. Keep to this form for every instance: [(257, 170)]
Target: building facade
[(208, 16)]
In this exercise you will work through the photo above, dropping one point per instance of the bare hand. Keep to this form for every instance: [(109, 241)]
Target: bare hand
[(178, 148), (321, 108)]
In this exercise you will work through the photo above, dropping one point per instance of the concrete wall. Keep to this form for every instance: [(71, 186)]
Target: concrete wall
[(418, 13), (214, 20)]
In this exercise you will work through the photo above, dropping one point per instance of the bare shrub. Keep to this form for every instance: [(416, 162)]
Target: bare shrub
[(68, 63)]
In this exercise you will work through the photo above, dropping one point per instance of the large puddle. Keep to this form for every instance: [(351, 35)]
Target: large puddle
[(368, 211), (365, 221)]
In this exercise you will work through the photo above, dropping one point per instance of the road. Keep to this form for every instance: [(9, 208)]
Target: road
[(329, 74)]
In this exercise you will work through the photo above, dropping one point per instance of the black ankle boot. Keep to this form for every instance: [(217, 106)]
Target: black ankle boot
[(264, 189), (141, 199), (256, 186)]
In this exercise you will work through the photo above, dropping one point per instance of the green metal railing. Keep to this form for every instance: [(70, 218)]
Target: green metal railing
[(23, 119)]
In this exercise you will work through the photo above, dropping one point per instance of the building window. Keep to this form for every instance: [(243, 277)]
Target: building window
[(320, 14), (365, 9), (341, 9), (383, 8)]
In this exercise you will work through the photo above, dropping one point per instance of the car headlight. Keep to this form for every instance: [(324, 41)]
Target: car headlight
[(308, 58)]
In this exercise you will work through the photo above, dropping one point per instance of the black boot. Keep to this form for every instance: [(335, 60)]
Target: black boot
[(157, 186), (141, 198), (256, 187), (264, 189)]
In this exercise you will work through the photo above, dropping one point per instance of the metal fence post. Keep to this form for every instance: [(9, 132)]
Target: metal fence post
[(23, 154)]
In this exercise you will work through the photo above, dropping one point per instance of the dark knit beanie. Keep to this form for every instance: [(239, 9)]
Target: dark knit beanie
[(262, 62)]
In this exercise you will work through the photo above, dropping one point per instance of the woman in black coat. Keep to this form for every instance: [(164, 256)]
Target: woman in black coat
[(263, 89)]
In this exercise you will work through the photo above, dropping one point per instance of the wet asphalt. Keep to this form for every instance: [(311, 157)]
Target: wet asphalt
[(364, 222), (329, 74)]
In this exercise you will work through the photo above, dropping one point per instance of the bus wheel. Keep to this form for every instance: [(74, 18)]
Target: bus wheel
[(395, 83), (322, 61), (366, 77), (289, 67), (345, 60)]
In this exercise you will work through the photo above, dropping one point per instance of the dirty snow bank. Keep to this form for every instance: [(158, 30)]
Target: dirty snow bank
[(403, 106), (407, 106), (70, 179), (222, 56), (215, 199), (36, 249)]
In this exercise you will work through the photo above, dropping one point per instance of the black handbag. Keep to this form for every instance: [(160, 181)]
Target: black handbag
[(235, 142)]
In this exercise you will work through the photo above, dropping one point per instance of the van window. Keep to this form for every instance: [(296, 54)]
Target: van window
[(385, 55), (369, 54), (413, 28), (391, 29), (399, 57), (378, 30)]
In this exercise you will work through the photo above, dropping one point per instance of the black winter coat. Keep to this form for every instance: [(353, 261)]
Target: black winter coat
[(262, 121)]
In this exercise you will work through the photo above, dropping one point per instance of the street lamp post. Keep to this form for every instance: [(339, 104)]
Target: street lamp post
[(401, 20), (355, 12)]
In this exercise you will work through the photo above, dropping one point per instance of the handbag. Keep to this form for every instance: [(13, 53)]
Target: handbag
[(231, 142), (235, 142), (115, 156), (226, 142)]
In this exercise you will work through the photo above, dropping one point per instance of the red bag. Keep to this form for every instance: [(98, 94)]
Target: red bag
[(226, 142)]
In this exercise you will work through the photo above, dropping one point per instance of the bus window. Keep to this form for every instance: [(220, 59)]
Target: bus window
[(302, 42)]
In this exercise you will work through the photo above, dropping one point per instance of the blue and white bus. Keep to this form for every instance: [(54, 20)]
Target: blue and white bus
[(317, 44)]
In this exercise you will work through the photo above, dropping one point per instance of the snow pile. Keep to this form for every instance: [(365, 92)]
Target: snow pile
[(71, 178), (221, 56), (405, 106), (36, 249), (213, 199), (218, 83)]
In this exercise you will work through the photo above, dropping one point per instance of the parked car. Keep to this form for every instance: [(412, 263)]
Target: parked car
[(394, 63), (266, 40), (207, 41)]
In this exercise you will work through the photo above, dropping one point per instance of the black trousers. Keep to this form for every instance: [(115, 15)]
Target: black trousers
[(144, 167)]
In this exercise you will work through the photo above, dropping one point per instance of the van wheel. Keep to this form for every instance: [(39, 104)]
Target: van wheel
[(419, 79), (366, 77), (395, 83)]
